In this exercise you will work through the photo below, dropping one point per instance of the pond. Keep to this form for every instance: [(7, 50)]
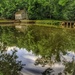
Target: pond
[(39, 47)]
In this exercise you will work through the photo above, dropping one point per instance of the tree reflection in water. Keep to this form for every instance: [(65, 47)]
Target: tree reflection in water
[(43, 40), (9, 65), (48, 71)]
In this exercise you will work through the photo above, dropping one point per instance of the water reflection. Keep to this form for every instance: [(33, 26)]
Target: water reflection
[(42, 40), (28, 58)]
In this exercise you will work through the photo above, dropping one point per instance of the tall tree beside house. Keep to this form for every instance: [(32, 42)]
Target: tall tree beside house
[(68, 9), (9, 7), (39, 10)]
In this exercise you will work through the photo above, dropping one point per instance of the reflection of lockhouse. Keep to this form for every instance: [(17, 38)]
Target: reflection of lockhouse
[(68, 24)]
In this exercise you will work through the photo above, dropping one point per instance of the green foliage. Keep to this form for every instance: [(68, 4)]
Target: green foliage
[(9, 7), (1, 73), (36, 13), (39, 9), (63, 2)]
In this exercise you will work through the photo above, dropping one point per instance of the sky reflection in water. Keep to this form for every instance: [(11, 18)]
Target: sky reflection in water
[(29, 58)]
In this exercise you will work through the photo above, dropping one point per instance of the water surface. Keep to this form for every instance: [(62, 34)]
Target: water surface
[(33, 41)]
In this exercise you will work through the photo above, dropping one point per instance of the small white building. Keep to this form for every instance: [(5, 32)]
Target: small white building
[(20, 15)]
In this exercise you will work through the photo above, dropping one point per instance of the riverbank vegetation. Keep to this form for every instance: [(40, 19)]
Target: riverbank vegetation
[(39, 9)]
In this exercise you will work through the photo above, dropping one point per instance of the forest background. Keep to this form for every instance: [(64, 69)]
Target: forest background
[(39, 9)]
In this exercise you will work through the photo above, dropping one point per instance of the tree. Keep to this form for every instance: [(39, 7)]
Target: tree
[(41, 8), (69, 9)]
